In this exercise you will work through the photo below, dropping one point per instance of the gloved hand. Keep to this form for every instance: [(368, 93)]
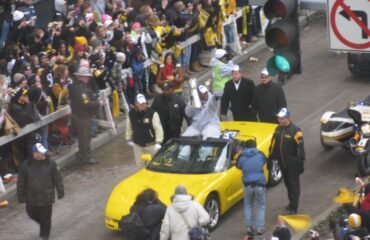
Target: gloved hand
[(131, 143), (157, 147)]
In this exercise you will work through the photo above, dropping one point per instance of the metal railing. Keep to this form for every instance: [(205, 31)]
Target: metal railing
[(109, 121)]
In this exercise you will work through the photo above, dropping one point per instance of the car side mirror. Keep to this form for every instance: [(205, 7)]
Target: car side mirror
[(146, 157)]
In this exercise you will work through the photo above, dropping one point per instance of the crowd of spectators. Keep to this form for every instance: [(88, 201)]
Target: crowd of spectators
[(113, 38)]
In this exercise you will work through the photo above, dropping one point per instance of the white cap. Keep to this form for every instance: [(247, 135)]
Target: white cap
[(283, 113), (140, 98), (38, 147), (17, 15), (235, 68), (220, 53), (202, 89), (265, 72), (108, 22)]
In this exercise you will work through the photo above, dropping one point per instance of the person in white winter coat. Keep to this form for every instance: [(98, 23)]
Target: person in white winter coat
[(183, 206)]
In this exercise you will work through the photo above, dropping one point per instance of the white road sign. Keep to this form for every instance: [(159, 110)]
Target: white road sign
[(349, 25)]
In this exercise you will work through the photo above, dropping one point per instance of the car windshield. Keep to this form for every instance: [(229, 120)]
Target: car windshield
[(181, 156)]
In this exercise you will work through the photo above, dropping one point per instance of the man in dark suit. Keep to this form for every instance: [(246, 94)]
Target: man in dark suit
[(239, 91)]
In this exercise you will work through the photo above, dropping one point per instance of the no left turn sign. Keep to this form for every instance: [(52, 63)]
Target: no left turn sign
[(349, 25)]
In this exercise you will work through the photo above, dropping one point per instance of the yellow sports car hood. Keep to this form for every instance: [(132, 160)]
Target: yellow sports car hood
[(124, 194)]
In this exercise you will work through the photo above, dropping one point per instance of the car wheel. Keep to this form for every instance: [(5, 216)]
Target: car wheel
[(212, 206), (363, 164), (323, 144), (275, 174)]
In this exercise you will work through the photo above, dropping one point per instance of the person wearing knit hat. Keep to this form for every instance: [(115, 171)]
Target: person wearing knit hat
[(20, 80), (182, 215), (269, 98)]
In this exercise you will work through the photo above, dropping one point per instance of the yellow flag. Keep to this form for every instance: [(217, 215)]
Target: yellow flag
[(115, 111), (299, 222), (344, 195)]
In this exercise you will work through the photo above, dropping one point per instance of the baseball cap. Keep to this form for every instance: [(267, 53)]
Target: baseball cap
[(283, 113), (235, 68), (265, 72), (220, 53), (38, 147), (202, 89), (140, 98)]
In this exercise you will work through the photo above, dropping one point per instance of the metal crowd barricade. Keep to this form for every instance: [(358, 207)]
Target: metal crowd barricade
[(108, 122)]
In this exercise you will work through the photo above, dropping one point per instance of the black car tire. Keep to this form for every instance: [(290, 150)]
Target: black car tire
[(275, 174), (363, 164), (323, 144), (212, 206)]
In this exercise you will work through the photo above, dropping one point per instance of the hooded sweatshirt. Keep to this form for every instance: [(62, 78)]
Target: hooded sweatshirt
[(173, 225), (251, 163)]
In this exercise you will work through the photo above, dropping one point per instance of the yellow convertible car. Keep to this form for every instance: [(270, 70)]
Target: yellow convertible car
[(205, 167)]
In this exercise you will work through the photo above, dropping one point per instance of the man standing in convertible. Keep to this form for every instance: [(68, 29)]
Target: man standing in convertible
[(205, 120)]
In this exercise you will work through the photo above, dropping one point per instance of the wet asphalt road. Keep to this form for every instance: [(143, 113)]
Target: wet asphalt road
[(324, 85)]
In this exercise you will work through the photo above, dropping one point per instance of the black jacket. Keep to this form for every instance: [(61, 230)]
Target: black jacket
[(23, 113), (171, 111), (84, 103), (142, 127), (241, 100), (152, 214), (268, 101), (287, 146), (37, 181)]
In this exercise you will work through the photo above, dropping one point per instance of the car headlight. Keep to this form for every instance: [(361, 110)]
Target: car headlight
[(365, 129)]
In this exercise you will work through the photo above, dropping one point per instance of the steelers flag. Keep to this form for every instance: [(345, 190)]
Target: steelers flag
[(299, 222)]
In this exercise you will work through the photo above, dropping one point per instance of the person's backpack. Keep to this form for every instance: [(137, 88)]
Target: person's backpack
[(132, 227)]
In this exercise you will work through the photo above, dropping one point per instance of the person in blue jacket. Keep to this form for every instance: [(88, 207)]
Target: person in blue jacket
[(251, 162)]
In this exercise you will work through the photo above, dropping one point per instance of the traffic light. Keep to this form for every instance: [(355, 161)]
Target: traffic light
[(282, 35)]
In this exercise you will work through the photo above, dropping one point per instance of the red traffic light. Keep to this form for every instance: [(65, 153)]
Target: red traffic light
[(279, 8)]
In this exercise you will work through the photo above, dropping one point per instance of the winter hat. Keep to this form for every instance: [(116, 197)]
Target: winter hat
[(180, 190), (105, 17), (38, 147), (81, 40), (18, 78), (17, 15)]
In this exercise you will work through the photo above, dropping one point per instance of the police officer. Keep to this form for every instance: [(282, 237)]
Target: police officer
[(171, 110), (84, 105), (287, 147)]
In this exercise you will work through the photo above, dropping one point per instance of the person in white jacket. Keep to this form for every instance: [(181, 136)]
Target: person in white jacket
[(183, 206)]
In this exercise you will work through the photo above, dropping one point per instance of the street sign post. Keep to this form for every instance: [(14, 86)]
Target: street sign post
[(349, 25)]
